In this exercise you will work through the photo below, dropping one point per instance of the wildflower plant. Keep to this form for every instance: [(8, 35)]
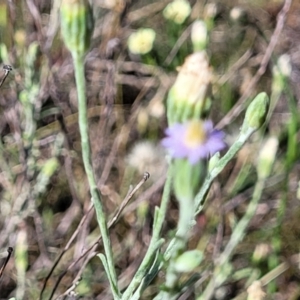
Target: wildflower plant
[(195, 152), (190, 142), (77, 27)]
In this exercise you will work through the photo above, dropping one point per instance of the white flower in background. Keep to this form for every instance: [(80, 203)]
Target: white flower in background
[(255, 291), (266, 157), (284, 65), (141, 41), (157, 109), (147, 156), (236, 13), (177, 11), (210, 10)]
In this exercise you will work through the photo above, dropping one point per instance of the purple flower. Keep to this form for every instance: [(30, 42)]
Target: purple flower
[(194, 140)]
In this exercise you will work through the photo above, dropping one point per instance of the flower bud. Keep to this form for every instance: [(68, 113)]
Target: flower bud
[(210, 10), (188, 97), (256, 112), (199, 35), (261, 253), (267, 157), (188, 261), (213, 161), (281, 72), (284, 65), (76, 25), (209, 14)]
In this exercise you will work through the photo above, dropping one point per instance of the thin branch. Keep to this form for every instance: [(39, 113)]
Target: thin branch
[(94, 246), (7, 69), (9, 250)]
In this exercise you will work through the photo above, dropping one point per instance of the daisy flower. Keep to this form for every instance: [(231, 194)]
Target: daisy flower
[(194, 140)]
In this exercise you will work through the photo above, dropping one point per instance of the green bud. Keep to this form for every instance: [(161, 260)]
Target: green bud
[(188, 97), (281, 73), (76, 25), (188, 261), (210, 12), (256, 112), (188, 178), (261, 252), (267, 157), (213, 161)]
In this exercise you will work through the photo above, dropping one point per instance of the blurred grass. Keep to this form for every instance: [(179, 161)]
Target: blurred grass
[(38, 107)]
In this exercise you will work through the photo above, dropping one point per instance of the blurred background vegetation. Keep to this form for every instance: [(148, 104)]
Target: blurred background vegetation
[(43, 189)]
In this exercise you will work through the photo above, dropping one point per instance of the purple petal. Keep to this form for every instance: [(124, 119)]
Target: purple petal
[(176, 144)]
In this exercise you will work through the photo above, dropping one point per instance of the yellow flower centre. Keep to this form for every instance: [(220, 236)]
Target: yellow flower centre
[(195, 134)]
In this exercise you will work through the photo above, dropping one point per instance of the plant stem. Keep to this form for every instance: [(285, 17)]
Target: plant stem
[(238, 144), (186, 216), (155, 241), (86, 156), (222, 267)]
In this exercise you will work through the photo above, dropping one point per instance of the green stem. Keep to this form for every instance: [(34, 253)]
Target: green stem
[(238, 144), (86, 156), (240, 230), (292, 145), (154, 244), (222, 271), (186, 216)]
